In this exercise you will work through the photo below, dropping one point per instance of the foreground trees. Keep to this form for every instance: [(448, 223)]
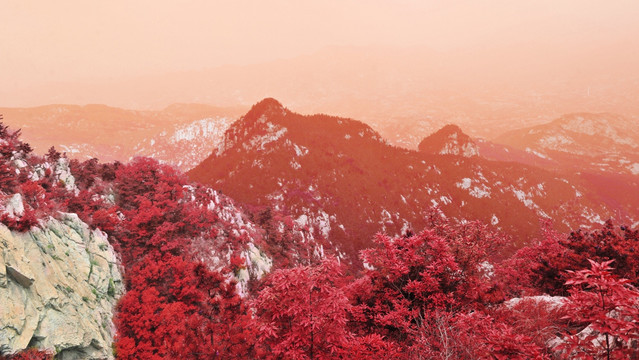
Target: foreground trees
[(172, 298), (303, 314), (429, 293), (609, 308), (423, 296), (436, 295)]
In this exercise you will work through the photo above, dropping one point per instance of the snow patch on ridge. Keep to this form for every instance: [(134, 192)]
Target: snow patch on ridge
[(478, 191), (300, 150)]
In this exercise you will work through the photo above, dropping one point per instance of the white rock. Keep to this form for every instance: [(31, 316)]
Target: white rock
[(58, 288), (15, 206), (553, 302)]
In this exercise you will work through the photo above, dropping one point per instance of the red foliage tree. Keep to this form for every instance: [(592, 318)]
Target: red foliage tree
[(537, 268), (473, 335), (543, 267), (610, 309), (172, 302), (540, 320), (29, 354), (412, 275), (427, 293), (303, 314)]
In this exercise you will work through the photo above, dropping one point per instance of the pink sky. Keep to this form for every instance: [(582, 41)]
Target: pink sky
[(80, 40)]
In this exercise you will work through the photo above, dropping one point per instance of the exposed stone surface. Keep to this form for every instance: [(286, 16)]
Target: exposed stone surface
[(58, 287), (14, 206), (552, 302), (258, 265)]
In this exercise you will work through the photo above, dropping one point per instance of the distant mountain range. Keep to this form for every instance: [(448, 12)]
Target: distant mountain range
[(181, 134), (598, 142)]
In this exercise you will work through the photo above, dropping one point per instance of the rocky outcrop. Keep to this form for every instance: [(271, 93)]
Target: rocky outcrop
[(58, 287), (449, 140)]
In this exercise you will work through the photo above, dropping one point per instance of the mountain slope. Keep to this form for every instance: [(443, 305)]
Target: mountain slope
[(111, 134), (344, 182), (580, 134), (185, 145), (583, 141), (175, 244), (600, 149)]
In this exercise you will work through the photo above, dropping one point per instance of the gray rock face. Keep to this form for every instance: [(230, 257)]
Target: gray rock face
[(58, 287)]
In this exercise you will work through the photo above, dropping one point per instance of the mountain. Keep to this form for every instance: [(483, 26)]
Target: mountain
[(111, 134), (595, 142), (500, 152), (341, 180), (602, 149), (449, 140)]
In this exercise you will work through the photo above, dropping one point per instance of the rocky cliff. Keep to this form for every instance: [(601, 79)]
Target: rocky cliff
[(58, 287)]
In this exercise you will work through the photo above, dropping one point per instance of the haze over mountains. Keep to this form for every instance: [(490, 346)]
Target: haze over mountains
[(407, 94)]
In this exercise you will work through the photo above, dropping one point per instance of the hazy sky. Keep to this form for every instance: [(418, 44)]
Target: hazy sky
[(78, 40)]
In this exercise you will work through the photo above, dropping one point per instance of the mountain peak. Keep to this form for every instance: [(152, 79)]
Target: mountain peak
[(265, 107), (269, 102), (450, 139), (451, 129)]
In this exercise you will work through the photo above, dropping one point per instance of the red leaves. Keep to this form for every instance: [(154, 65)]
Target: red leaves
[(173, 301), (428, 293), (544, 265), (303, 313), (435, 295), (609, 307), (30, 354), (421, 271), (175, 307)]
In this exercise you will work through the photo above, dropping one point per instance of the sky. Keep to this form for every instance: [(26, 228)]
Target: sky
[(83, 40)]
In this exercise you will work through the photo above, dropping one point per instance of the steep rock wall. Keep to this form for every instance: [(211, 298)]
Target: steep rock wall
[(58, 287)]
